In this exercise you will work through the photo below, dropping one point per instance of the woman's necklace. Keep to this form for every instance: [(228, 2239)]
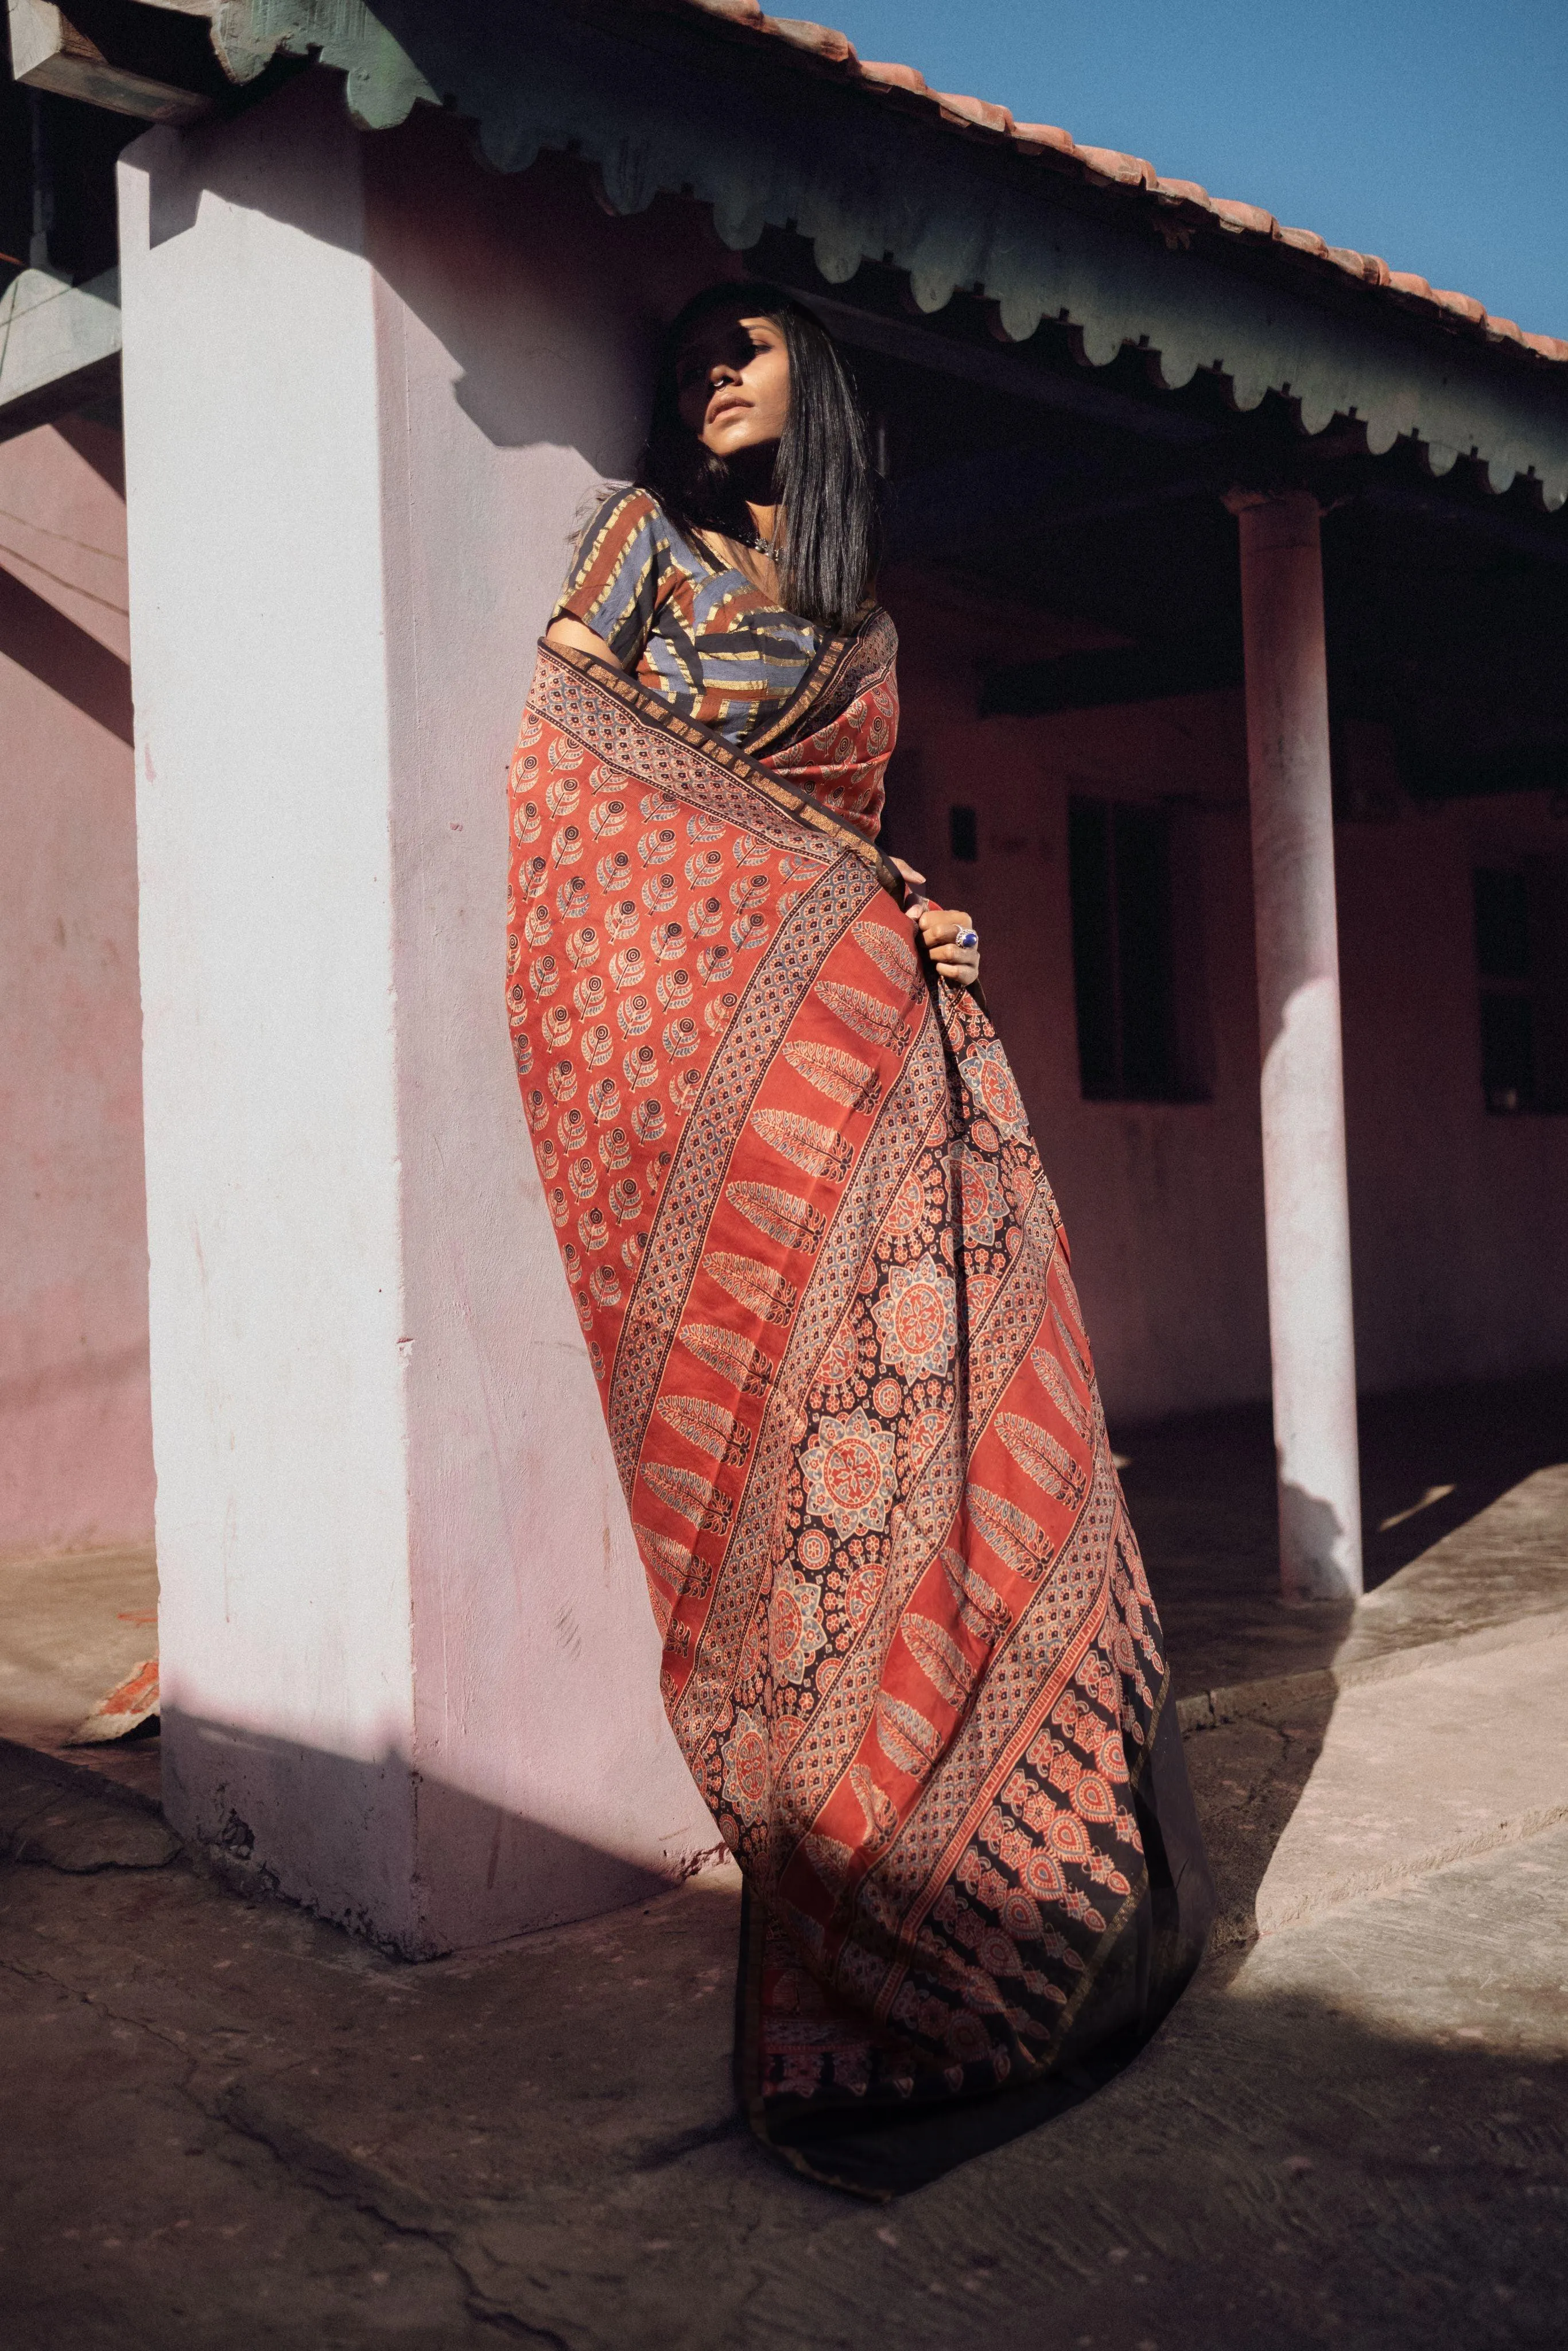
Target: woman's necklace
[(749, 535)]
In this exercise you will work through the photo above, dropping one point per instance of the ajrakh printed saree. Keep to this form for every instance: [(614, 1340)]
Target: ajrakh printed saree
[(909, 1650)]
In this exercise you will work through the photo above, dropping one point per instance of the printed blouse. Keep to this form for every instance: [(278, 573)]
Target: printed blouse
[(689, 627)]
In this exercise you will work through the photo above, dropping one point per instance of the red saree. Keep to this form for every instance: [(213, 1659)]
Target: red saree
[(909, 1649)]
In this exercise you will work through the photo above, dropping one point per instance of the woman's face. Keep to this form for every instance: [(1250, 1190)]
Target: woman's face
[(732, 384)]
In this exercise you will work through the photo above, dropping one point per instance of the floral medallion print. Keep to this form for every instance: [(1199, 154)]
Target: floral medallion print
[(918, 1318), (848, 1473)]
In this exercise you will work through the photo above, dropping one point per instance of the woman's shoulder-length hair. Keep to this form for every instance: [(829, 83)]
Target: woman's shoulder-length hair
[(823, 478)]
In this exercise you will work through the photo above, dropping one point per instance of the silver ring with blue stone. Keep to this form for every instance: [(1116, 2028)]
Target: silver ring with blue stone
[(968, 939)]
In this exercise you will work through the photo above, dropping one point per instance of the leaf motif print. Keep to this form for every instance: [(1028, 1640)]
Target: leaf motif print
[(784, 1217), (1012, 1534), (817, 1150), (909, 1742), (830, 1860), (663, 1605), (729, 1354), (1070, 1293), (892, 957), (1040, 1457), (841, 1076), (981, 1607), (1054, 1380), (706, 1425), (672, 1557), (751, 1283), (880, 1812), (938, 1656), (869, 1015), (684, 1491), (1071, 1344)]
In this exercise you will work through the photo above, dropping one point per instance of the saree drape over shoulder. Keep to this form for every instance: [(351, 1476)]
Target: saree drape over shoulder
[(909, 1649)]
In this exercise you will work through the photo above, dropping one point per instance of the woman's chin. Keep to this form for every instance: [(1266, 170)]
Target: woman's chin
[(738, 442)]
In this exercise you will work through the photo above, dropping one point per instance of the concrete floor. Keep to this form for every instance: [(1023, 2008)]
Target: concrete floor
[(227, 2122)]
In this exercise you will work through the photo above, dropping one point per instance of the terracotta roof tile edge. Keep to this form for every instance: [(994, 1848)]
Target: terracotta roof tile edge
[(1126, 171), (802, 34)]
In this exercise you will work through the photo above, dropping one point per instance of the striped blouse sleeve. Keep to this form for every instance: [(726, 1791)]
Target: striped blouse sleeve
[(614, 582)]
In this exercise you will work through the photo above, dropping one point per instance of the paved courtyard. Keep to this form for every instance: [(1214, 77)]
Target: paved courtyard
[(229, 2123)]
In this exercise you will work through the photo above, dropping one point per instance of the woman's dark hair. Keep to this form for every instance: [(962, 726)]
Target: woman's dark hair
[(822, 478)]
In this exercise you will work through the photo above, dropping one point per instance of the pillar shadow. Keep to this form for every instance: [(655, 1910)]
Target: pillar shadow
[(64, 657), (1201, 1489), (415, 1865)]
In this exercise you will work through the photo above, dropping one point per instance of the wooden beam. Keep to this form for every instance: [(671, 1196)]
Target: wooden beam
[(51, 51)]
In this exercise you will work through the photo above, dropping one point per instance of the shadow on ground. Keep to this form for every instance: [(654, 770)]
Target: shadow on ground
[(228, 2121), (1433, 1461)]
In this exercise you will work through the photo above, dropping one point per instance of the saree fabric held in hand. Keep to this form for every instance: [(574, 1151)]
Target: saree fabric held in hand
[(909, 1650)]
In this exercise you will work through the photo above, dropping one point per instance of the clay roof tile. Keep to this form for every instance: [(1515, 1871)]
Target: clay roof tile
[(1044, 134), (893, 77), (820, 39), (1131, 171), (1237, 215), (1127, 171), (1368, 266), (979, 110)]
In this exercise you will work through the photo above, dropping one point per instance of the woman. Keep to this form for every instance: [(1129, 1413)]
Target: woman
[(909, 1651)]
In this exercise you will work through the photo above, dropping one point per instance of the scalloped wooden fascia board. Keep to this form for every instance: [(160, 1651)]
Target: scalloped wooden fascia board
[(658, 118)]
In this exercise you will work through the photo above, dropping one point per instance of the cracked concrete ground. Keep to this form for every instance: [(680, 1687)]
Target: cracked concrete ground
[(229, 2123)]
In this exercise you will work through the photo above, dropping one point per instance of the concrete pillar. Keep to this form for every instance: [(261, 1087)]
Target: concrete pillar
[(410, 1672), (1311, 1326)]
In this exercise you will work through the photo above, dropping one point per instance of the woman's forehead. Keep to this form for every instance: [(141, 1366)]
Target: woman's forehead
[(720, 327)]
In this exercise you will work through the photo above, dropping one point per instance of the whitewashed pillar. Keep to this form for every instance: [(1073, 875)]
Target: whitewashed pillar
[(410, 1671), (1311, 1325)]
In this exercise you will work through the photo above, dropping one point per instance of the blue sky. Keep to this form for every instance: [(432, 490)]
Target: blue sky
[(1431, 133)]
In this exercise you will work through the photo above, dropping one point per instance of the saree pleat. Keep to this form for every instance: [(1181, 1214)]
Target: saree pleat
[(909, 1648)]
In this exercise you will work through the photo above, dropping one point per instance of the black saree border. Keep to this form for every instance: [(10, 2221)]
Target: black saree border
[(881, 2153)]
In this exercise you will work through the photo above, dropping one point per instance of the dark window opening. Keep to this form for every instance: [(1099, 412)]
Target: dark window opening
[(1134, 1042), (1522, 963), (963, 835)]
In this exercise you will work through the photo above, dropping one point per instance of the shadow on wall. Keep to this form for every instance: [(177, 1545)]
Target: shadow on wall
[(64, 657), (463, 246), (415, 1866)]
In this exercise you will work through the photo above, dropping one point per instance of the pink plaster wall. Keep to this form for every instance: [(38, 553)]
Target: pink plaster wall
[(1459, 1220), (76, 1457)]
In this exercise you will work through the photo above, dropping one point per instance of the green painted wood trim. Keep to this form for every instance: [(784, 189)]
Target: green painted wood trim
[(657, 102)]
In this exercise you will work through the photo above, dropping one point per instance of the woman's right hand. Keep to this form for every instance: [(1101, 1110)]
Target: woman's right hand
[(941, 927)]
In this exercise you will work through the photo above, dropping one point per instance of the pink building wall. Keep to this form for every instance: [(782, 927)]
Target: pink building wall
[(76, 1457), (1459, 1219)]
